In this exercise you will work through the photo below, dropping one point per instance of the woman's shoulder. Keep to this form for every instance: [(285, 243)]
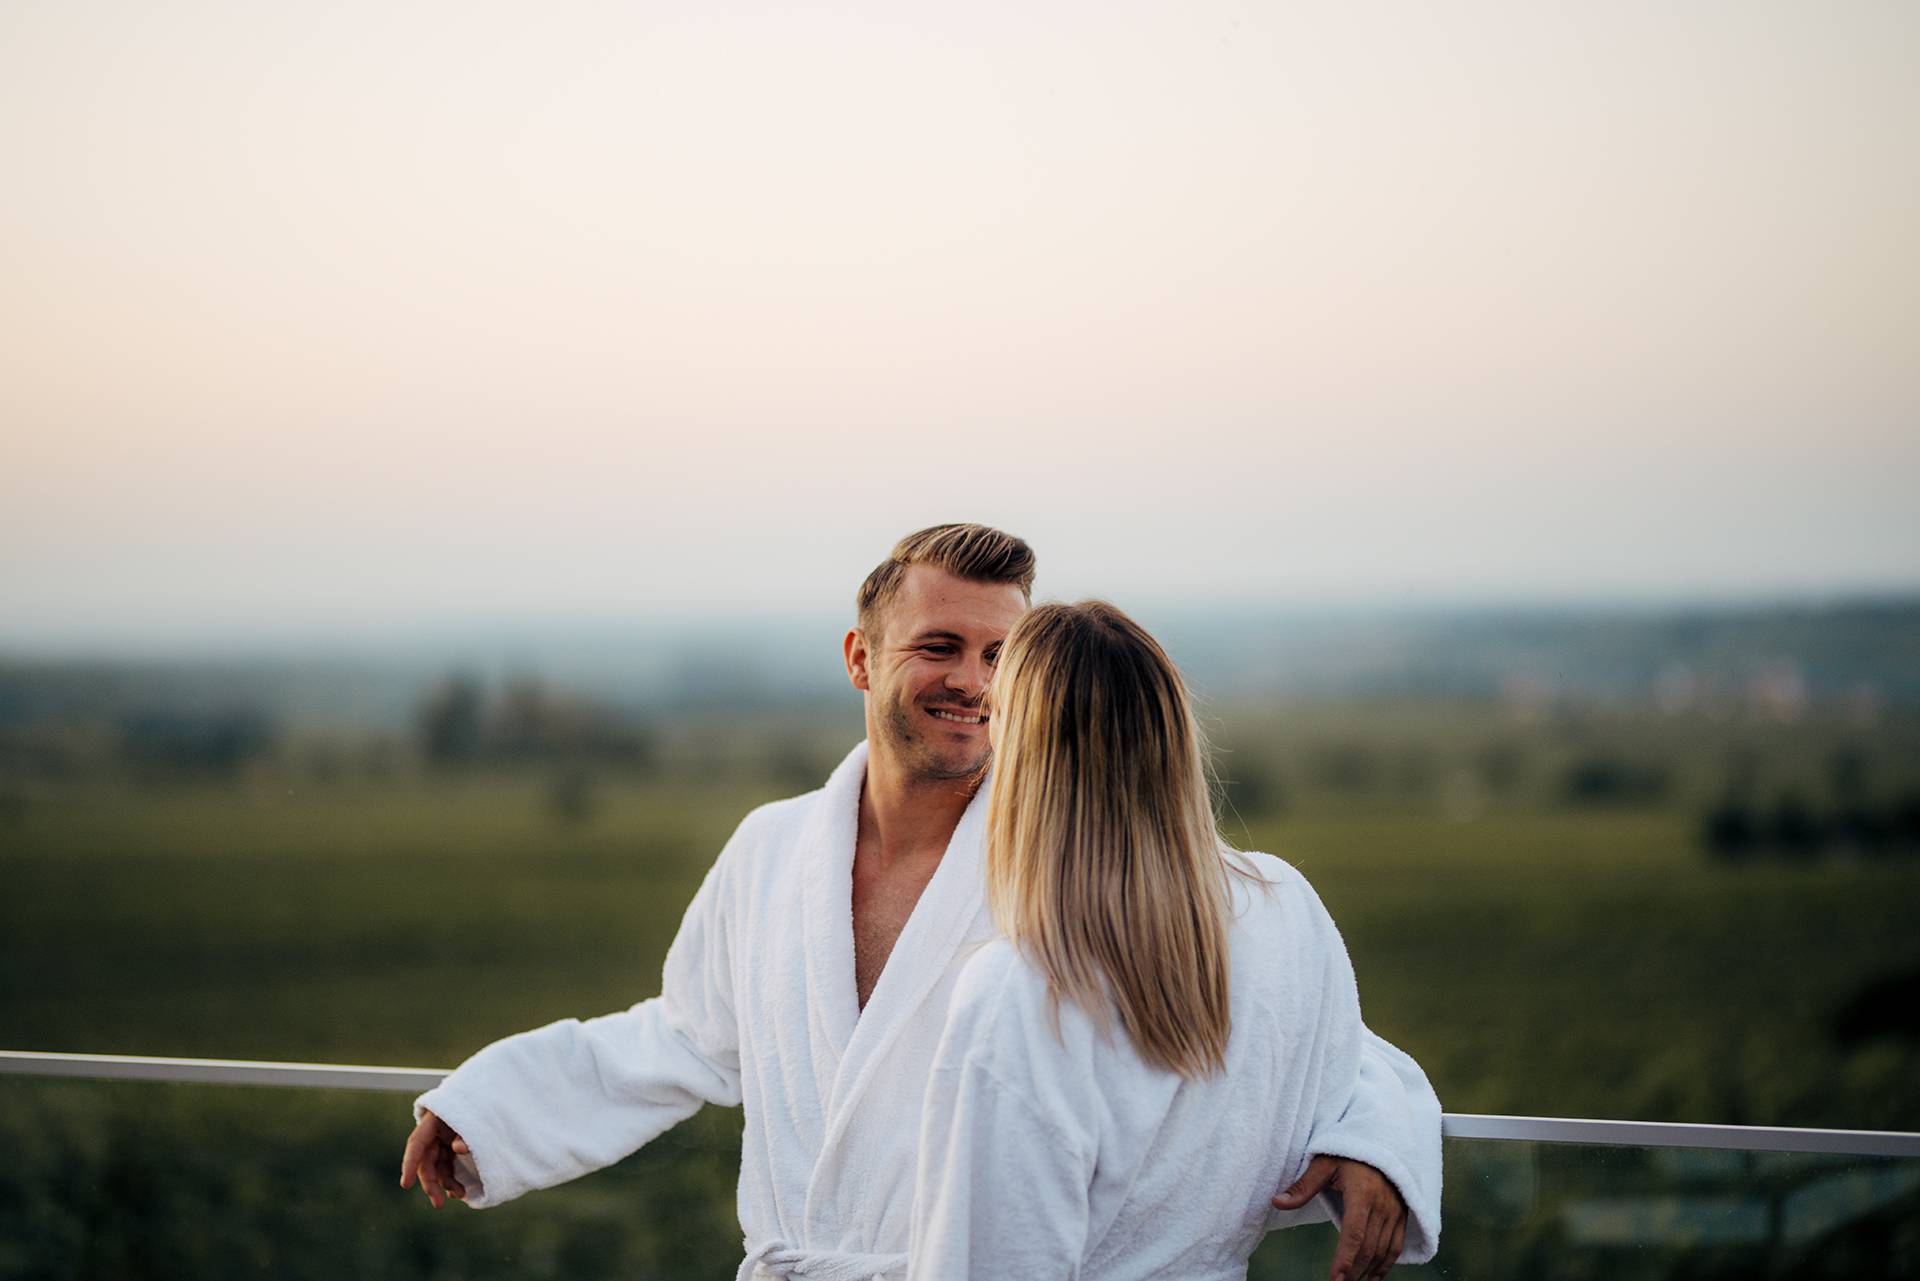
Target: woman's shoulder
[(1007, 1034), (1275, 907), (1262, 879), (987, 968), (995, 980), (1003, 1012)]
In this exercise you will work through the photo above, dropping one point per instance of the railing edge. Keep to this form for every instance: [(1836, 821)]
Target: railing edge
[(132, 1067), (1453, 1125)]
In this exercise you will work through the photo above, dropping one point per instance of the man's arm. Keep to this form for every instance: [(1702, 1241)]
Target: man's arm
[(1380, 1163), (552, 1104)]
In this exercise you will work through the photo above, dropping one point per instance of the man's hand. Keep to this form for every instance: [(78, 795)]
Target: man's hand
[(429, 1157), (1373, 1216)]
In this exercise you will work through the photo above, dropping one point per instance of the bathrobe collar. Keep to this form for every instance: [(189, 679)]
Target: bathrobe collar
[(853, 1043)]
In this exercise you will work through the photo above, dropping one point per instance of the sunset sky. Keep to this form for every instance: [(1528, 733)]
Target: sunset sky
[(321, 319)]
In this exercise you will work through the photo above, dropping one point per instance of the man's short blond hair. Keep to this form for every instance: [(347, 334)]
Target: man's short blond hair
[(975, 553)]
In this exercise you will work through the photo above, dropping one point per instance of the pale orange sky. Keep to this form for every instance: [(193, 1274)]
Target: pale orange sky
[(321, 316)]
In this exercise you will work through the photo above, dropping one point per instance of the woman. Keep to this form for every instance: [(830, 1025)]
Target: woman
[(1118, 1069)]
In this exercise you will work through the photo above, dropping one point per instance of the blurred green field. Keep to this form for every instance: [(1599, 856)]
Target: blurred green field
[(1537, 956)]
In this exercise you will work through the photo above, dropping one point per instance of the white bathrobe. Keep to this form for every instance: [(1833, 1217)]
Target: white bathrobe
[(1057, 1151), (758, 1007)]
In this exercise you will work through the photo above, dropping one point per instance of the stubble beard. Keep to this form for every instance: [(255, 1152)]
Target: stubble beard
[(922, 762)]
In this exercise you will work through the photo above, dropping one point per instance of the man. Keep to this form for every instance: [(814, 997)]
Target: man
[(811, 975)]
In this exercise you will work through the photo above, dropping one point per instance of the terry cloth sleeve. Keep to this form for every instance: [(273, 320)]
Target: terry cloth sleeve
[(1392, 1123), (1001, 1189), (1390, 1118), (552, 1104)]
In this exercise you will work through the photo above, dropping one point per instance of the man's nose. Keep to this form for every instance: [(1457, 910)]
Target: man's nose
[(970, 677)]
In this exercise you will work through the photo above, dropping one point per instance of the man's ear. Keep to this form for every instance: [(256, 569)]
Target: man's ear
[(857, 659)]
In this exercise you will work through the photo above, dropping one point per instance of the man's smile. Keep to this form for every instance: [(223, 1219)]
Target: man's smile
[(959, 717)]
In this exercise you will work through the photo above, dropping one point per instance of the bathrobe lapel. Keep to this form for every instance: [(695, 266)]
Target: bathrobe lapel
[(943, 919), (859, 1069), (833, 1003)]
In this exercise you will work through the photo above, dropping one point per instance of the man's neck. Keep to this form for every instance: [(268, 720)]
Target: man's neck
[(906, 815)]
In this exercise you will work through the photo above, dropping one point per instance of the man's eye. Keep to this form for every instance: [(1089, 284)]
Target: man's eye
[(939, 649)]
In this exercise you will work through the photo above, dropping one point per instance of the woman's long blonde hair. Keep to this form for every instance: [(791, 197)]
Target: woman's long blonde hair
[(1104, 865)]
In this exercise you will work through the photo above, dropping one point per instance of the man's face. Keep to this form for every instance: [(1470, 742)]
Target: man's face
[(926, 673)]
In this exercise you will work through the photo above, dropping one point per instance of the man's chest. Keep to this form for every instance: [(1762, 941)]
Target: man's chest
[(884, 897)]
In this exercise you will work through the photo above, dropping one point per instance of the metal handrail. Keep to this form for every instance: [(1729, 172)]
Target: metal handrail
[(1454, 1125), (134, 1067), (1679, 1134)]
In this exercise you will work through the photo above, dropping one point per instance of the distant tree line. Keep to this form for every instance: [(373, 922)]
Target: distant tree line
[(459, 723), (208, 744), (1256, 787), (1610, 780), (1791, 827), (1742, 826), (456, 722)]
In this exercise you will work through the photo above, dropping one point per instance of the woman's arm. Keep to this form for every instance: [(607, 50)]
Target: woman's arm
[(1377, 1110), (1001, 1190)]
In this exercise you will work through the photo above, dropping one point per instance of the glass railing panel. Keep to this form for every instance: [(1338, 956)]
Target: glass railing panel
[(135, 1180), (142, 1179), (1528, 1210)]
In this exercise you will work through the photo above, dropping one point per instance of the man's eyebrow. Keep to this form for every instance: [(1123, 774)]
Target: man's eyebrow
[(937, 635)]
